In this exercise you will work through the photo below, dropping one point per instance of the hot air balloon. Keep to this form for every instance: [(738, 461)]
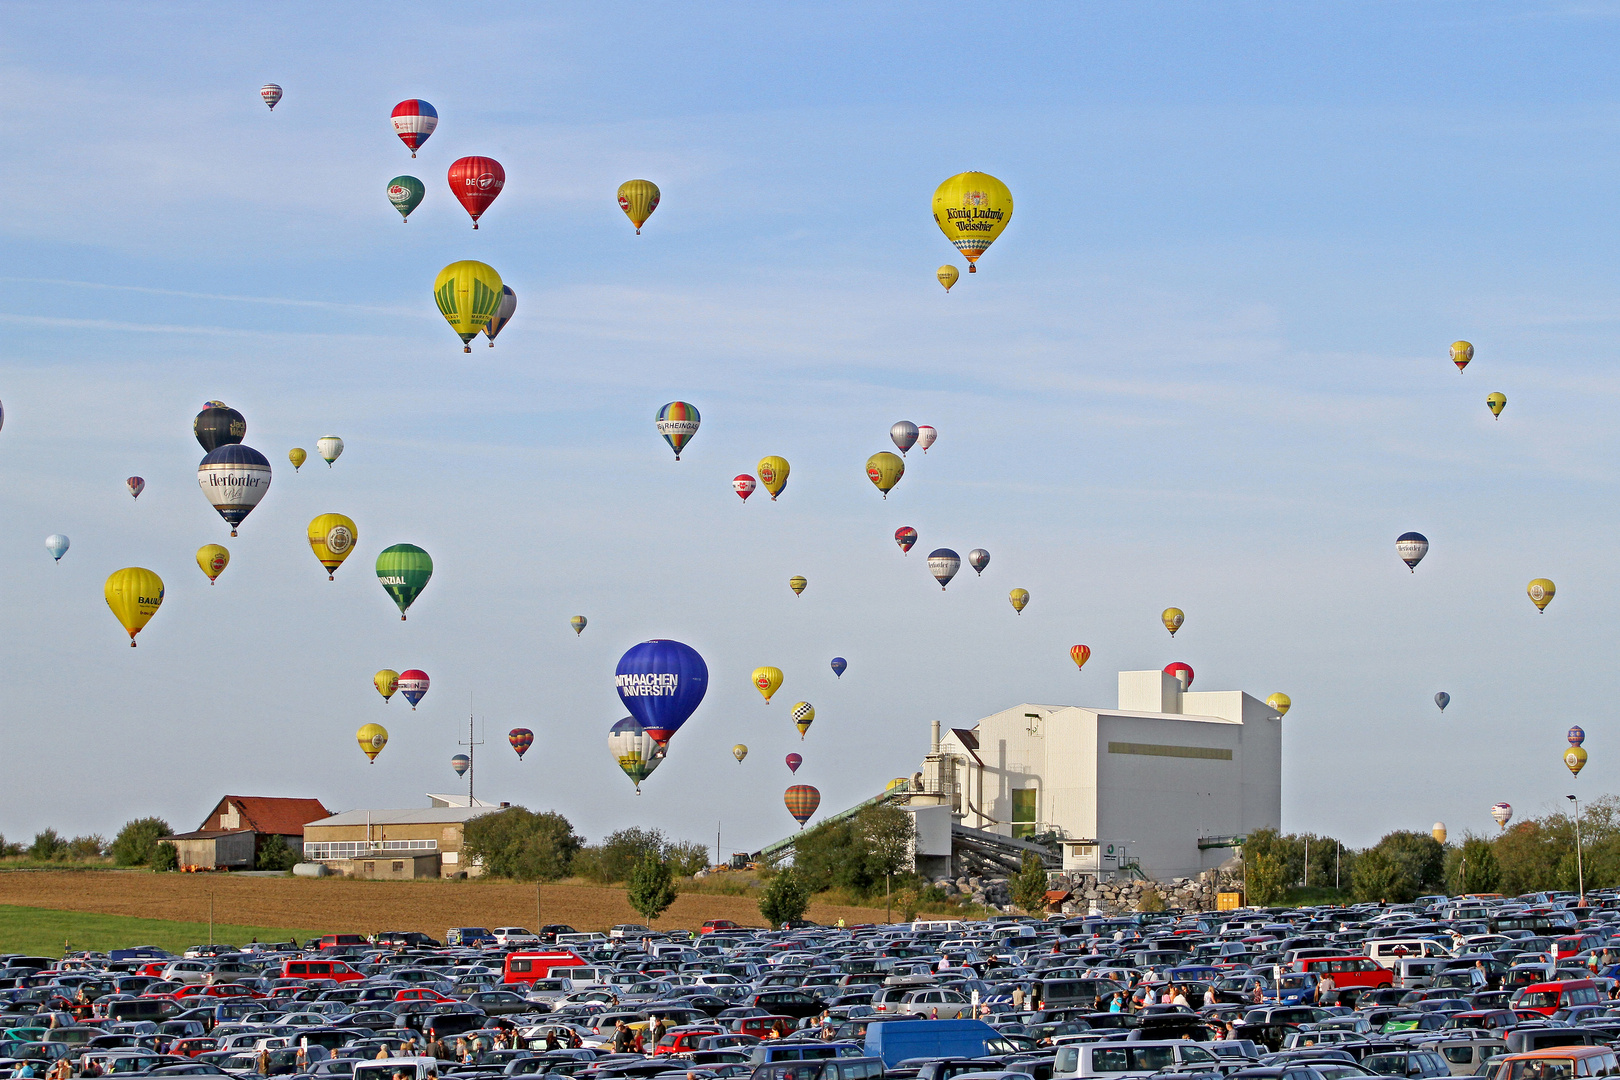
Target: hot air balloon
[(134, 594), (638, 199), (270, 94), (578, 623), (330, 447), (475, 181), (885, 470), (212, 559), (372, 738), (136, 485), (971, 209), (947, 276), (677, 423), (943, 563), (503, 314), (978, 558), (1503, 813), (662, 683), (404, 570), (773, 473), (904, 434), (1411, 547), (234, 478), (1281, 703), (297, 456), (804, 714), (57, 545), (801, 800), (743, 485), (1541, 593), (926, 436), (387, 683), (637, 752), (1080, 654), (218, 425), (1461, 353), (1496, 403), (1182, 673), (797, 583), (1575, 759), (1576, 736), (739, 752), (1442, 699), (1018, 598), (405, 194), (332, 537), (767, 680), (414, 120), (1172, 618), (793, 762), (461, 763), (413, 683), (1439, 831), (905, 536), (468, 294), (839, 666)]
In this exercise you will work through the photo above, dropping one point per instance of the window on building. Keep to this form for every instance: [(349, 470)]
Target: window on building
[(398, 867), (1023, 813)]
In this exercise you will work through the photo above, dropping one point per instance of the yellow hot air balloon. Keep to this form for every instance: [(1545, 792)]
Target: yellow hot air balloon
[(1461, 353), (947, 275), (1173, 618), (372, 738), (1019, 598), (767, 680), (134, 594), (468, 294), (885, 470), (1439, 831), (386, 681), (773, 473), (1541, 593), (1496, 403), (971, 209), (1575, 759), (804, 714), (213, 559), (297, 456), (1281, 703), (797, 584), (332, 538), (739, 752), (638, 199)]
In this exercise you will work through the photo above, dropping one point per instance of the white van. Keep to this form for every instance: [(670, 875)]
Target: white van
[(414, 1068), (1131, 1059), (1388, 950), (949, 926)]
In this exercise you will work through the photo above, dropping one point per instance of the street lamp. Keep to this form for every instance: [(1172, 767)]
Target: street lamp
[(1580, 869)]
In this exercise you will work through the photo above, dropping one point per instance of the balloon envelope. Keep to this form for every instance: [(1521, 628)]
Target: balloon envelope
[(739, 752), (662, 683), (475, 181), (926, 436), (212, 560), (136, 485), (904, 433), (1576, 735), (637, 752), (413, 683), (468, 294), (1281, 703), (638, 199), (885, 470), (978, 558), (1018, 598), (521, 739), (839, 666), (1541, 593), (372, 738), (218, 425), (802, 800), (1442, 699), (234, 479), (270, 94), (943, 563), (804, 714), (330, 447), (134, 594), (57, 545), (972, 209), (1575, 759), (405, 194), (387, 682), (503, 314), (297, 455), (947, 276), (404, 570), (461, 763), (1080, 654), (677, 423), (743, 485), (1461, 353), (797, 583), (1411, 547), (767, 680), (773, 473), (332, 538), (1503, 813), (414, 120), (1496, 403), (793, 762), (1172, 618), (578, 623), (1182, 673), (905, 536)]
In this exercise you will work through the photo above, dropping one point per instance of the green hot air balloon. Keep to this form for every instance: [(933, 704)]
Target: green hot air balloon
[(405, 192), (404, 571)]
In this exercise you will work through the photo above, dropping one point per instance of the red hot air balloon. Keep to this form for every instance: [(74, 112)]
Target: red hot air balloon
[(414, 685), (414, 120), (905, 536), (1183, 674), (743, 485), (793, 762), (1080, 654), (802, 800), (475, 181), (521, 739)]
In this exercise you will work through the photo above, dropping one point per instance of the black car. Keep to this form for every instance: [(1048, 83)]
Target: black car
[(797, 1003)]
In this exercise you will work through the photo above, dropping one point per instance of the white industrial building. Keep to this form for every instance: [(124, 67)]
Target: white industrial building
[(1163, 784)]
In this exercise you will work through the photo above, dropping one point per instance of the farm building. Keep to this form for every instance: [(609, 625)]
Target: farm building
[(238, 827)]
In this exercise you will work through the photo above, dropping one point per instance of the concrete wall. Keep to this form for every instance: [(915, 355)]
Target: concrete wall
[(386, 868)]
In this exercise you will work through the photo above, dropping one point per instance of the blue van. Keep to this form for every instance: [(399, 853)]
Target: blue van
[(895, 1042), (467, 936)]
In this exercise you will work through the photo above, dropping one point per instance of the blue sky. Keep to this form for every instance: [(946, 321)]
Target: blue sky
[(1205, 365)]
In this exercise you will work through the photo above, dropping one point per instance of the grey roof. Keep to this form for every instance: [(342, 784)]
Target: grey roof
[(431, 815)]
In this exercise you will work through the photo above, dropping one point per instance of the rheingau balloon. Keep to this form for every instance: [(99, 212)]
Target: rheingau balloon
[(57, 545), (1172, 618), (1411, 547), (332, 537), (405, 194), (134, 594), (1576, 735), (234, 478), (885, 470), (1502, 813), (1442, 699), (503, 314), (468, 294), (978, 558), (475, 181), (839, 666), (1019, 598), (947, 276), (521, 738), (904, 434), (404, 570), (636, 751), (662, 683), (793, 762), (767, 680), (1281, 703), (943, 563), (802, 800), (905, 536), (218, 425), (1496, 403), (270, 94), (461, 763), (926, 436), (413, 683), (135, 485), (971, 209), (1182, 673), (330, 447), (1080, 654), (804, 714), (212, 559), (387, 683), (677, 423), (372, 738), (1541, 593), (773, 473), (638, 199), (1461, 353), (578, 623), (414, 120), (743, 485)]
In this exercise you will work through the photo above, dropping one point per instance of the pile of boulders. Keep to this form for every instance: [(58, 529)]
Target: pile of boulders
[(1088, 895), (990, 892)]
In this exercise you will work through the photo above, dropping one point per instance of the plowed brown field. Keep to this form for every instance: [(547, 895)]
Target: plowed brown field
[(346, 906)]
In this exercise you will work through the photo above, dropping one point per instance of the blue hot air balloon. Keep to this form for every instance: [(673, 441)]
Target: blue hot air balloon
[(1442, 699), (662, 683), (838, 666), (461, 763)]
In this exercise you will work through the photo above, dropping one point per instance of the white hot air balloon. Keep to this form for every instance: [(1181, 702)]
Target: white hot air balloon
[(57, 545), (943, 563), (1503, 813), (926, 436), (329, 447)]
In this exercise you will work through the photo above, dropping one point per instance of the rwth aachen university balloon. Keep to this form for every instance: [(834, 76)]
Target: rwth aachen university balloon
[(662, 683)]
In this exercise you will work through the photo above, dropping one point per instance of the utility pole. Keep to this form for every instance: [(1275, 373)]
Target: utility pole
[(469, 744), (1307, 862), (539, 920), (210, 916), (1580, 869)]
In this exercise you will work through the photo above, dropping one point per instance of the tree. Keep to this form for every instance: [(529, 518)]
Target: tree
[(786, 898), (137, 842), (856, 854), (652, 887), (1028, 886), (1151, 900), (889, 834), (1265, 877), (1473, 868), (166, 857), (1376, 877), (275, 854), (686, 857), (47, 845), (521, 844), (84, 848)]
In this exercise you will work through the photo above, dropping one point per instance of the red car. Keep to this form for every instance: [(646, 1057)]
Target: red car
[(216, 990), (1350, 971), (717, 924), (194, 1046), (684, 1040), (421, 993)]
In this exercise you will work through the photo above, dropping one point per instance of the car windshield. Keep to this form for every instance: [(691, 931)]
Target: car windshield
[(1541, 1069), (1545, 999), (1132, 1059)]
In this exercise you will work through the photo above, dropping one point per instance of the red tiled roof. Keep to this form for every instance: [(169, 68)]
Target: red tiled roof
[(284, 817)]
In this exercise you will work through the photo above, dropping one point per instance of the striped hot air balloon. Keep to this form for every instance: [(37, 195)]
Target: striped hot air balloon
[(521, 739), (677, 422), (802, 800)]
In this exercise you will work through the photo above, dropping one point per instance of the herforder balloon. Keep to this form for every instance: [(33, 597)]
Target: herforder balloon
[(662, 683), (1411, 547), (943, 563), (234, 478)]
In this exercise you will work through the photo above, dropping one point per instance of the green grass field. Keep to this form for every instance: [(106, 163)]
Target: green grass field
[(46, 932)]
